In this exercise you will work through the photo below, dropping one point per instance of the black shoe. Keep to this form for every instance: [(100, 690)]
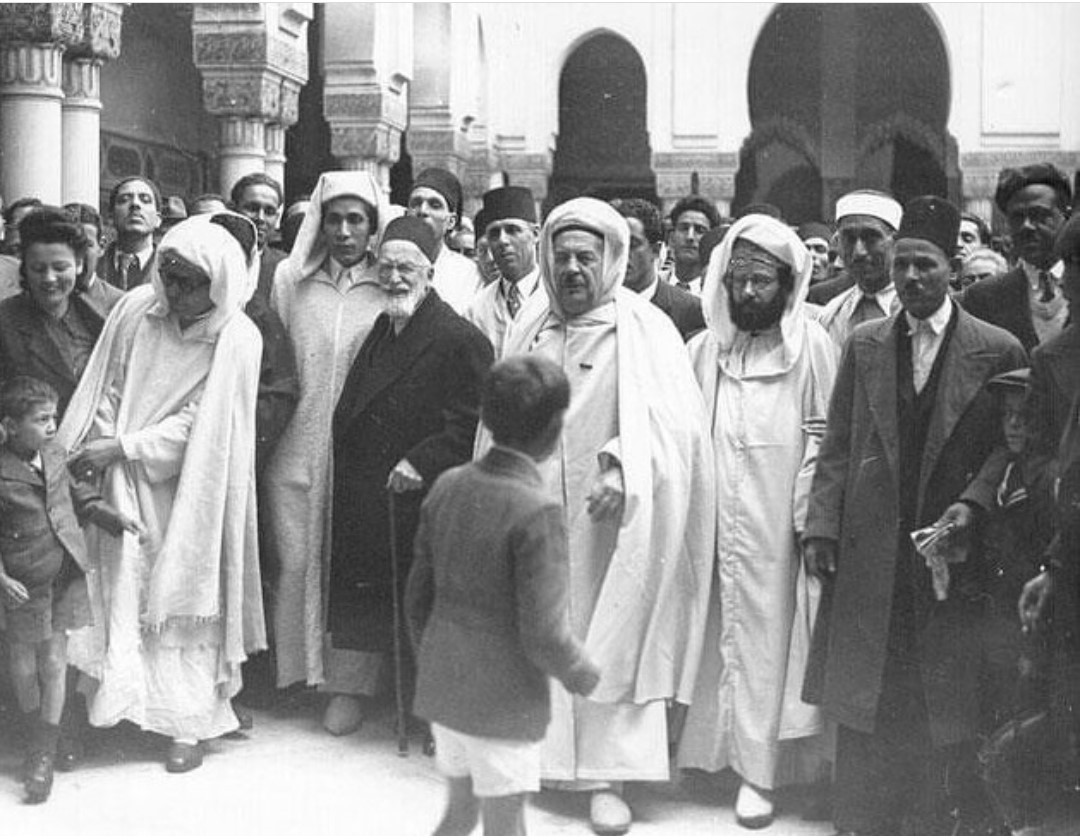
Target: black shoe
[(69, 753), (38, 777), (183, 757)]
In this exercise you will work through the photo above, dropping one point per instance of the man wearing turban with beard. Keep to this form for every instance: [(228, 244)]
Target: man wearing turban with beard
[(766, 371), (634, 475)]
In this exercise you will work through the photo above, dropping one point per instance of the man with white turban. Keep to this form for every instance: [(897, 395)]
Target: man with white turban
[(328, 296), (767, 372), (634, 475), (164, 416)]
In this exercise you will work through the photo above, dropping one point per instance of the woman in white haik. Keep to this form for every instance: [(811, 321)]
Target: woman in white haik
[(165, 417), (328, 297)]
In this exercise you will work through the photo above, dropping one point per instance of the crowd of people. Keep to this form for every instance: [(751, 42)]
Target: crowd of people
[(595, 497)]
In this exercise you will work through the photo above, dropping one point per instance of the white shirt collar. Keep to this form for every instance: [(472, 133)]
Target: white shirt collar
[(526, 285), (1032, 273), (142, 256), (937, 320)]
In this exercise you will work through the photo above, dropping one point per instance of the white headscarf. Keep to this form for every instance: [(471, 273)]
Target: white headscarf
[(309, 251), (594, 216), (778, 239), (214, 250)]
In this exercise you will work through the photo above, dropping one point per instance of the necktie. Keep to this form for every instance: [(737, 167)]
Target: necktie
[(513, 299), (126, 262), (922, 340), (1046, 287)]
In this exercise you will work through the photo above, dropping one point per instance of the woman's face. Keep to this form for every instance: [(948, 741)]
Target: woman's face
[(50, 271), (187, 287)]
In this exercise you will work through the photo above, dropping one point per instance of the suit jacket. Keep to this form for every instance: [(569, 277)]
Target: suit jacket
[(136, 275), (279, 384), (1055, 385), (414, 396), (684, 309), (855, 501), (27, 349), (1003, 301), (270, 258), (488, 595), (822, 292)]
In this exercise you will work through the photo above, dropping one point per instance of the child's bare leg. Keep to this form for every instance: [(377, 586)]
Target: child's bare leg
[(52, 668), (22, 663), (504, 816), (462, 809)]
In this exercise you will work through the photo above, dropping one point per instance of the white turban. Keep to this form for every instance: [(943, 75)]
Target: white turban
[(597, 217), (310, 250), (777, 239)]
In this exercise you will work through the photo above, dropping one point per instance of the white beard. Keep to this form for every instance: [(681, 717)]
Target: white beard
[(403, 307)]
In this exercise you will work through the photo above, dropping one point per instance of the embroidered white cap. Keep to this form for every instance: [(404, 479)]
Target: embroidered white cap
[(870, 202)]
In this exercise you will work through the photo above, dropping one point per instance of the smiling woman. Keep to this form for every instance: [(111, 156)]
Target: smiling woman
[(46, 332)]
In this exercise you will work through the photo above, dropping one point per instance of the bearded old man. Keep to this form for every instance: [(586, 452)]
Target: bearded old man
[(634, 475), (767, 372)]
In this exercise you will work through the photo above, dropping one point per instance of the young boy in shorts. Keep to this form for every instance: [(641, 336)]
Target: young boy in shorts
[(487, 605)]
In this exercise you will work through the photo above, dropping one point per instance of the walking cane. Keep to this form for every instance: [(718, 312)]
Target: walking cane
[(399, 690)]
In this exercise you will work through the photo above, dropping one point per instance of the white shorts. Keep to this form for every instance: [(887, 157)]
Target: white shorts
[(497, 767)]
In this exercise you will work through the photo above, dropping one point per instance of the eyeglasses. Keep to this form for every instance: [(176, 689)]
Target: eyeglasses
[(406, 269)]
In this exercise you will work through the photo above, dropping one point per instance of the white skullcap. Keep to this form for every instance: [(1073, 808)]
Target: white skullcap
[(868, 202)]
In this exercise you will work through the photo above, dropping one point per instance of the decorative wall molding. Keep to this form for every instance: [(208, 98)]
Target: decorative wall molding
[(715, 172)]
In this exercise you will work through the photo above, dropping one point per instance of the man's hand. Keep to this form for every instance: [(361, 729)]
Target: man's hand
[(1033, 599), (607, 498), (94, 457), (14, 592), (134, 526), (819, 553), (959, 515), (404, 478)]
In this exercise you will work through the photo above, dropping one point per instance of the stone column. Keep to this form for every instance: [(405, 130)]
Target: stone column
[(31, 121), (253, 61), (367, 66), (242, 149), (533, 171), (33, 37), (274, 162)]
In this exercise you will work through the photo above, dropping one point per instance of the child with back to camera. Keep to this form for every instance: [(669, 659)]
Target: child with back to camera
[(42, 563), (487, 605)]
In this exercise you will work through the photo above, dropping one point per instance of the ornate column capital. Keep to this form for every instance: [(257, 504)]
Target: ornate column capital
[(100, 36), (59, 24), (82, 83)]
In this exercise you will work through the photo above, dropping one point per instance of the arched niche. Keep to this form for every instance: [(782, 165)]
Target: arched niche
[(865, 91), (603, 142)]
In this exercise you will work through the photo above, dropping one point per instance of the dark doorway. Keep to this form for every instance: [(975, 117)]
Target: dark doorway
[(603, 145), (846, 96)]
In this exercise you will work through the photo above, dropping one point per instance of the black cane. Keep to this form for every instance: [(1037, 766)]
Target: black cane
[(399, 690)]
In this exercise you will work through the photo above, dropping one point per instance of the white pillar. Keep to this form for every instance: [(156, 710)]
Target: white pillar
[(30, 121), (81, 158), (243, 149), (275, 153)]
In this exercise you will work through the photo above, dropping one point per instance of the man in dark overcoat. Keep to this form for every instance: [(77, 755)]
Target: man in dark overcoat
[(909, 425), (408, 411)]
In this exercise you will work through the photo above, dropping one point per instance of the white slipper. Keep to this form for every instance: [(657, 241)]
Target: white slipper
[(753, 807)]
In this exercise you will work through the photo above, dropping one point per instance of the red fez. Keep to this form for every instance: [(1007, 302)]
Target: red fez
[(410, 228), (932, 219)]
